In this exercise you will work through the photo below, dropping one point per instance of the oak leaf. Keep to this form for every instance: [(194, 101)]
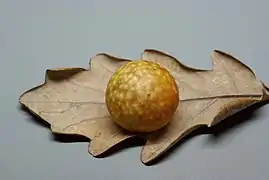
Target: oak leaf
[(72, 100)]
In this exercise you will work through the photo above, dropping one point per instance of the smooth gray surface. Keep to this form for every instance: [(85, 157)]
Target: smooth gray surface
[(36, 35)]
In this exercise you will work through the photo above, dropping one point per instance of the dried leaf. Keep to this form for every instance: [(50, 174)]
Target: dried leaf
[(72, 100)]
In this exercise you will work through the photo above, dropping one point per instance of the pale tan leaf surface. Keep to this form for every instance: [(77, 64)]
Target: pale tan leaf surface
[(207, 97), (72, 100), (229, 77)]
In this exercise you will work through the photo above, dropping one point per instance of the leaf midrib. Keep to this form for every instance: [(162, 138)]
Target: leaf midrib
[(256, 95)]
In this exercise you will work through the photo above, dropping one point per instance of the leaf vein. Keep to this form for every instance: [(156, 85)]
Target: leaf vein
[(203, 110), (106, 68), (65, 102), (84, 86), (84, 120), (223, 97), (229, 74)]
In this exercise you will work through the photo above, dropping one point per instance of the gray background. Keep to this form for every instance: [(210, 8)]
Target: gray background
[(36, 35)]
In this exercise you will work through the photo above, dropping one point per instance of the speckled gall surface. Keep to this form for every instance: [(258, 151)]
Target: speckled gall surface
[(142, 96)]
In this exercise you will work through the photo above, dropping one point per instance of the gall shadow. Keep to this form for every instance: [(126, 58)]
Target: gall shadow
[(216, 132), (63, 138)]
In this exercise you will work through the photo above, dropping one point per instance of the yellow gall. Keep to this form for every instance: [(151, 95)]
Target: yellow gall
[(142, 96)]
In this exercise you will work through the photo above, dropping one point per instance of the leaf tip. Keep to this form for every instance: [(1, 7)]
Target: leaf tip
[(217, 52), (96, 148), (145, 159), (59, 74), (107, 56), (158, 53), (151, 50), (21, 98), (147, 156), (26, 94)]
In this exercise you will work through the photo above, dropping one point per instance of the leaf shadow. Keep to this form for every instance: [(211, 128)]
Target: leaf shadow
[(134, 141), (131, 142), (230, 124), (216, 132), (63, 138), (69, 138), (165, 156), (33, 118)]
